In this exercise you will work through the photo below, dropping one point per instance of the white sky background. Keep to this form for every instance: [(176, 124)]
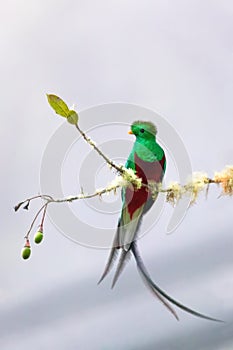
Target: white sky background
[(171, 56)]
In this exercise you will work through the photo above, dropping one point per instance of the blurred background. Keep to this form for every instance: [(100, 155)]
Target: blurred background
[(174, 57)]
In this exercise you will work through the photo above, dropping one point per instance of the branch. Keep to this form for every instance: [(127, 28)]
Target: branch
[(201, 182), (174, 192), (119, 168)]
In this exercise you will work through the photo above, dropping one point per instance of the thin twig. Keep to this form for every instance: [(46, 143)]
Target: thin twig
[(43, 216), (28, 200), (34, 220), (85, 196), (120, 169)]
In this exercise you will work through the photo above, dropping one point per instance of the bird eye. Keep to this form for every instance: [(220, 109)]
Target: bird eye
[(142, 131)]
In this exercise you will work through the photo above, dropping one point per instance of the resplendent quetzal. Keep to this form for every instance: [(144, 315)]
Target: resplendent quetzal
[(148, 161)]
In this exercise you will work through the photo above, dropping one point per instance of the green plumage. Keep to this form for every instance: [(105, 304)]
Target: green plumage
[(145, 145), (148, 161)]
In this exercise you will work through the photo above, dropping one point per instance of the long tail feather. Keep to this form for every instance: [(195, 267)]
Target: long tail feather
[(163, 301), (118, 244), (153, 290), (124, 258), (146, 276), (112, 257)]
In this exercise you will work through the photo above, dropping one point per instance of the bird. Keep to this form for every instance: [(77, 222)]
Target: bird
[(147, 159)]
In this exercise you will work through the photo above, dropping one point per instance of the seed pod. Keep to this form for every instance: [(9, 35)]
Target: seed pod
[(38, 237), (26, 252)]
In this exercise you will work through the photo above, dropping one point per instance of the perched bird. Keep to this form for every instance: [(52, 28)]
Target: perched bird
[(148, 161)]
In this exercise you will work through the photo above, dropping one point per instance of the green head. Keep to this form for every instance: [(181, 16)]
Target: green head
[(143, 130)]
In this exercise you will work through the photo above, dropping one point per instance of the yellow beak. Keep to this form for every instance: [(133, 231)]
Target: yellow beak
[(130, 132)]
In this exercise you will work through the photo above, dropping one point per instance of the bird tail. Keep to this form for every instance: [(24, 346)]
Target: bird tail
[(127, 233), (159, 292), (124, 258), (122, 241), (112, 256)]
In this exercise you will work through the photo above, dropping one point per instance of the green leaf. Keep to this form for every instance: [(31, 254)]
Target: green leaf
[(58, 105), (72, 117)]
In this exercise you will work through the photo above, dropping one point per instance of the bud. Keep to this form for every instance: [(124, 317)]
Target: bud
[(38, 237), (26, 252)]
